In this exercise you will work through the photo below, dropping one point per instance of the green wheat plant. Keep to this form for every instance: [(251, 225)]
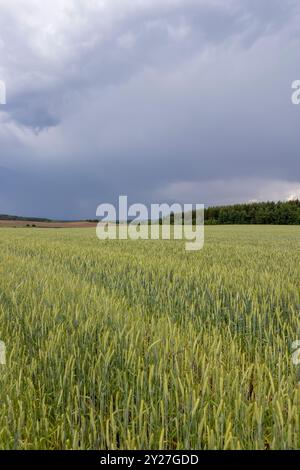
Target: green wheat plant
[(142, 345)]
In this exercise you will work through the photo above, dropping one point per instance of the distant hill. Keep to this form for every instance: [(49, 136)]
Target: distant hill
[(39, 222), (29, 219)]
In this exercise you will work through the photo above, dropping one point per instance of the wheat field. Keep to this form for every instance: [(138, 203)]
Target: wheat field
[(141, 345)]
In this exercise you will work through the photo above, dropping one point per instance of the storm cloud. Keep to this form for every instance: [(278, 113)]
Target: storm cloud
[(171, 100)]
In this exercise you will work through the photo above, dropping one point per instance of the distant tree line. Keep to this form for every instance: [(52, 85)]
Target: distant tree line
[(274, 213)]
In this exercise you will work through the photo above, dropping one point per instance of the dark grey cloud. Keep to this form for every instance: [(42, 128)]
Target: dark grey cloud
[(147, 99)]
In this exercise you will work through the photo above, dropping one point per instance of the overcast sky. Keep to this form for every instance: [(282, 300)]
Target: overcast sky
[(162, 100)]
